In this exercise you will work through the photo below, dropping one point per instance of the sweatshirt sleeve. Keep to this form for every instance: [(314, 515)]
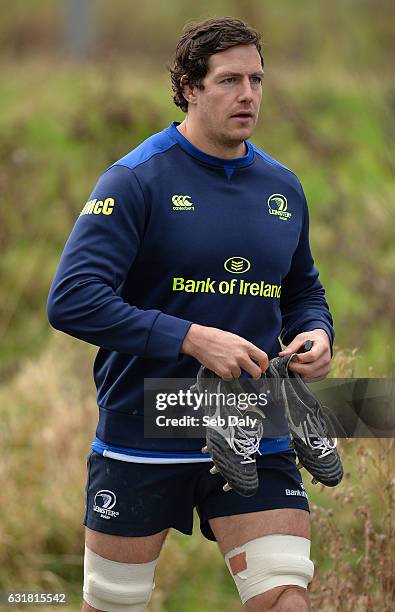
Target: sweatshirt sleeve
[(303, 304), (84, 300)]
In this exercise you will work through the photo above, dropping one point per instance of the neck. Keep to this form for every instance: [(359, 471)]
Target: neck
[(203, 142)]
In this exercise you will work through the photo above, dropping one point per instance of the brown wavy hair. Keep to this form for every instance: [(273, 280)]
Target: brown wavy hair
[(198, 42)]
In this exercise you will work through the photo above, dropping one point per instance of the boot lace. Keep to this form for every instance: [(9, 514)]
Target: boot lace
[(317, 438)]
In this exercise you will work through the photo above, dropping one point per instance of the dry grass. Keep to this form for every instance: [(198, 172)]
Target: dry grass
[(353, 533), (47, 420), (48, 417)]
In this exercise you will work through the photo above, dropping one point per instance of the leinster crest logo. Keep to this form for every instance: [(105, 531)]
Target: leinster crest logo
[(278, 206)]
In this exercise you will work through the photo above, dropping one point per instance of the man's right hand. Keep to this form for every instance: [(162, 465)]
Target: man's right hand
[(223, 352)]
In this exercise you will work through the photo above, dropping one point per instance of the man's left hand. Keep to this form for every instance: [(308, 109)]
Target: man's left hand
[(316, 363)]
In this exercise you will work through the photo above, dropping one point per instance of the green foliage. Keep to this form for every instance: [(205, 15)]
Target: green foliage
[(332, 133), (327, 114)]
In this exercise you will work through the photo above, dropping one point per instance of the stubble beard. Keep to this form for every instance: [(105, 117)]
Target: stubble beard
[(233, 139), (228, 139)]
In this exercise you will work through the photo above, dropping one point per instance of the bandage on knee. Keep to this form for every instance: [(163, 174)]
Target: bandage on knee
[(117, 587), (268, 562)]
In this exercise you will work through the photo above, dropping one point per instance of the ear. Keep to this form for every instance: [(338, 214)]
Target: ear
[(188, 91)]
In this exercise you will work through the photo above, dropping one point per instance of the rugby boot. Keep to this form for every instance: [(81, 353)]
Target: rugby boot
[(232, 442), (311, 426)]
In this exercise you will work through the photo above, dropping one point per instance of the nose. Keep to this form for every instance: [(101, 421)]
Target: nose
[(246, 93)]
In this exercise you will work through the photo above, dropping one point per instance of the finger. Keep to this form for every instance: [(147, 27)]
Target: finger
[(316, 379), (317, 375), (251, 367), (226, 377), (318, 350), (312, 355), (259, 356), (236, 372), (310, 371), (295, 345), (322, 372), (306, 368), (232, 373)]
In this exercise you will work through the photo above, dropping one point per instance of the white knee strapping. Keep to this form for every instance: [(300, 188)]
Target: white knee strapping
[(117, 587), (268, 562)]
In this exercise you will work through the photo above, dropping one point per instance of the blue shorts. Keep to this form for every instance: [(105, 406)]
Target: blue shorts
[(141, 499)]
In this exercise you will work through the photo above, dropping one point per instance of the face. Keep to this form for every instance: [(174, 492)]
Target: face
[(227, 107)]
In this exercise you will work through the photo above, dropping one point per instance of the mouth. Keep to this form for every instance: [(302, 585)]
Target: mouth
[(242, 115)]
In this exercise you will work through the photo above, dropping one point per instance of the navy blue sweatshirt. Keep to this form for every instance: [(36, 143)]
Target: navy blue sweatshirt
[(171, 236)]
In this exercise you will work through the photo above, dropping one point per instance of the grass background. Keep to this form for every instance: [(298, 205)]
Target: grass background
[(328, 114)]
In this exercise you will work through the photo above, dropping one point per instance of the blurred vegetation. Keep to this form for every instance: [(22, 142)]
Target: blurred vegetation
[(48, 416), (328, 114)]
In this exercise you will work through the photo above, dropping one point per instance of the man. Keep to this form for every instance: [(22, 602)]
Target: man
[(152, 274)]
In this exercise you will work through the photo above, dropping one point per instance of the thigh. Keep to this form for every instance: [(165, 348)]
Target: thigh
[(233, 531), (280, 503), (280, 508), (125, 549)]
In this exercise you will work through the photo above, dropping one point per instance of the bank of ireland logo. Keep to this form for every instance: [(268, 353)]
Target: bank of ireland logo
[(182, 202), (237, 265), (278, 206), (104, 502)]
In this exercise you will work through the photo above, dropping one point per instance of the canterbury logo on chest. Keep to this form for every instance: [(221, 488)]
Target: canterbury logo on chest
[(182, 202)]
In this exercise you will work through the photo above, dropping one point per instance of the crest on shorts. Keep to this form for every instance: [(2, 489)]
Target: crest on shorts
[(104, 502)]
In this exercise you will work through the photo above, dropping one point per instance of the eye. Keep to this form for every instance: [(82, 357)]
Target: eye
[(256, 79), (229, 80)]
